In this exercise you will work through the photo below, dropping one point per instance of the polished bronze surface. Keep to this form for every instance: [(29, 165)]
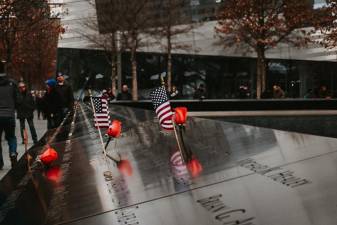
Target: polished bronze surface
[(238, 175)]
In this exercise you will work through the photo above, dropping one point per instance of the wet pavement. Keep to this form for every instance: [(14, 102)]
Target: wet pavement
[(238, 175), (40, 127)]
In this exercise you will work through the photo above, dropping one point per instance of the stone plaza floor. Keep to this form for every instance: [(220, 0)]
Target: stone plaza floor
[(41, 128)]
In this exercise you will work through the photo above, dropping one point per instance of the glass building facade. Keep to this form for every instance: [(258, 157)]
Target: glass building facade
[(222, 76), (226, 73)]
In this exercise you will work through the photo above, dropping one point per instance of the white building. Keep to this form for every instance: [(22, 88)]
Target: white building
[(202, 41)]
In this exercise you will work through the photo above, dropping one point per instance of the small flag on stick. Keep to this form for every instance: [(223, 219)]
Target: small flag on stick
[(101, 114), (162, 107)]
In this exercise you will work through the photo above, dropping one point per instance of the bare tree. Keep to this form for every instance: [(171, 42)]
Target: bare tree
[(135, 25), (104, 33), (134, 21), (262, 25), (172, 21)]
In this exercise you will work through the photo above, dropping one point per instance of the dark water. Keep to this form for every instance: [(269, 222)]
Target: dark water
[(317, 125)]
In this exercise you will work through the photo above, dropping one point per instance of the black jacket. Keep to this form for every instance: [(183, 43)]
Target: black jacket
[(8, 95), (66, 96), (51, 103), (124, 96), (25, 105), (39, 103)]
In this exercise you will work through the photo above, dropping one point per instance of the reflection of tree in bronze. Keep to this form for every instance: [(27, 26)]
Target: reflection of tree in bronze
[(205, 132), (219, 144), (298, 138), (118, 188)]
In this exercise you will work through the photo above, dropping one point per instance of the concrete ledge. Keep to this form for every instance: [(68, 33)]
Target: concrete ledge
[(265, 113), (229, 105)]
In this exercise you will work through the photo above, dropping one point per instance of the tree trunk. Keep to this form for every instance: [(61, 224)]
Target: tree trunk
[(119, 71), (114, 62), (113, 78), (134, 75), (261, 73), (113, 73), (8, 64), (169, 71), (169, 50)]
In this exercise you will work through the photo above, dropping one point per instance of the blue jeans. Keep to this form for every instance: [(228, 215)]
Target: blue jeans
[(7, 125)]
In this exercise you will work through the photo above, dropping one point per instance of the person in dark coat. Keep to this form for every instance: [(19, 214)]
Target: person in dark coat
[(8, 97), (25, 111), (278, 92), (200, 93), (52, 107), (323, 92), (66, 95), (243, 92), (124, 95)]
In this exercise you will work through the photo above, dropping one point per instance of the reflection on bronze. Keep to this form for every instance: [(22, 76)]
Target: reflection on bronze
[(224, 213), (277, 174), (90, 190)]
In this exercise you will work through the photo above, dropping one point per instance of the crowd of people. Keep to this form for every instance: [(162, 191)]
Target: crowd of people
[(124, 95), (52, 104), (200, 93), (244, 92)]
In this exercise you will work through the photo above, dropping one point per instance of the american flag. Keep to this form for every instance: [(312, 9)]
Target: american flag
[(162, 107), (101, 116)]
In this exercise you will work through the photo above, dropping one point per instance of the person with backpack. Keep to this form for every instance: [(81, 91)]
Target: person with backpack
[(66, 96), (52, 107), (8, 98)]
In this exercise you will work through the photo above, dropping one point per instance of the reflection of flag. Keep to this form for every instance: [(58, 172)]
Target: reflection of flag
[(179, 168), (162, 107), (102, 118)]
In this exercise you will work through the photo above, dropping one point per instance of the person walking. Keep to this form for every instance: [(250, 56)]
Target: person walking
[(25, 111), (66, 95), (8, 96), (52, 107)]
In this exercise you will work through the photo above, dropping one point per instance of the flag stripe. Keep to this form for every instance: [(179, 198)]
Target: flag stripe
[(163, 111), (162, 107), (166, 116), (101, 114), (167, 127)]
